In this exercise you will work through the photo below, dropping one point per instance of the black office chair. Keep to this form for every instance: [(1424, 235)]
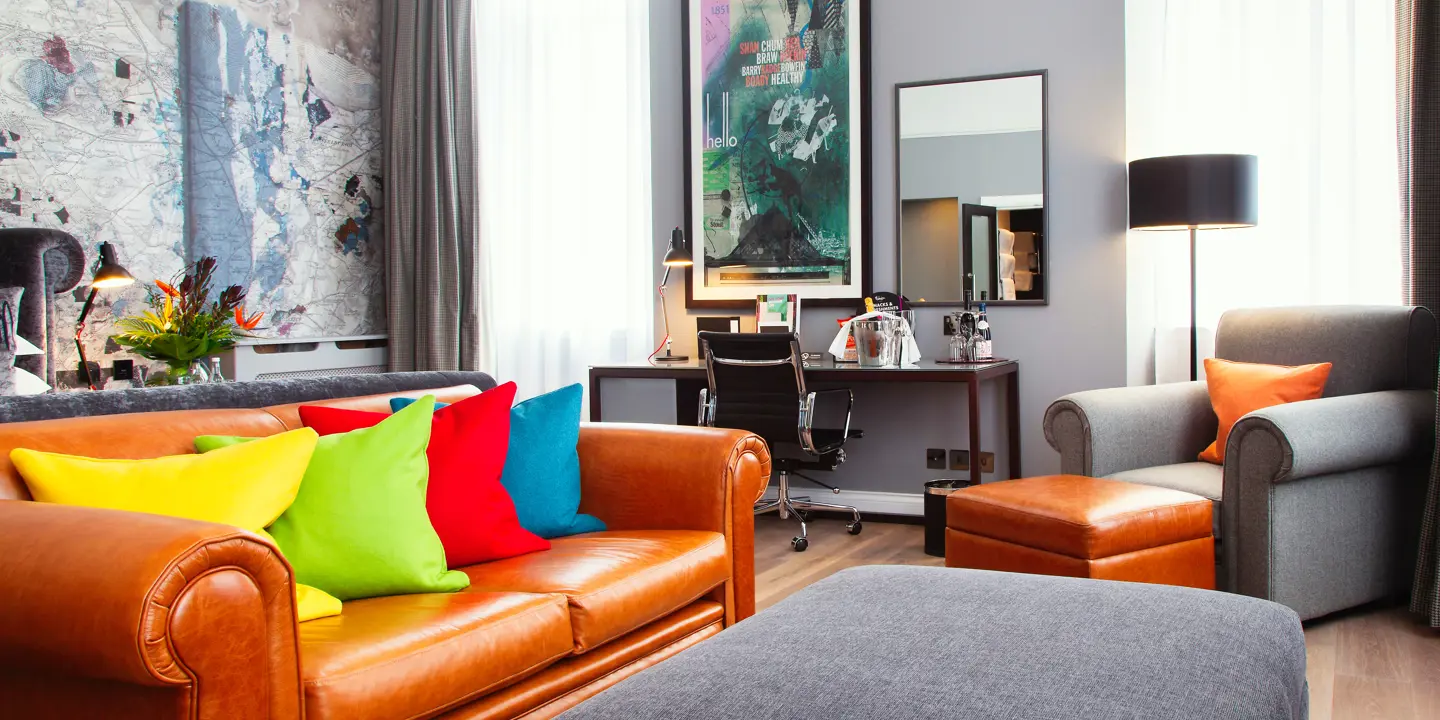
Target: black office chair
[(757, 383)]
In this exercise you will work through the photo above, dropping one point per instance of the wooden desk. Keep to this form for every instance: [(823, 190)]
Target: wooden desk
[(690, 378)]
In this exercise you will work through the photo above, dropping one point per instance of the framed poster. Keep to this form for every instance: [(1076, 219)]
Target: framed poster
[(777, 150)]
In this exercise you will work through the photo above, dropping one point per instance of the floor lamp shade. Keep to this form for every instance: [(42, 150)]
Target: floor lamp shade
[(1194, 192), (1177, 192)]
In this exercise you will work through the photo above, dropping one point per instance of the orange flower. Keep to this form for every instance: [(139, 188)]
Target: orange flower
[(168, 288), (247, 324)]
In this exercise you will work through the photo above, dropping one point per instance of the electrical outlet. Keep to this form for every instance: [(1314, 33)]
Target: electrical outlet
[(987, 462), (959, 459), (949, 326), (935, 458)]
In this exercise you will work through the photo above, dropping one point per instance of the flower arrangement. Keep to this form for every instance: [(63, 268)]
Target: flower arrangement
[(182, 324)]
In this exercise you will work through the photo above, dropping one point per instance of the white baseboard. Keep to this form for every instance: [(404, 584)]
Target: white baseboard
[(884, 503)]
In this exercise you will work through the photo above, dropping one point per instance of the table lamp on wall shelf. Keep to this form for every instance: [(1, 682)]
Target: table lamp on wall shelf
[(109, 273), (1194, 192), (677, 255)]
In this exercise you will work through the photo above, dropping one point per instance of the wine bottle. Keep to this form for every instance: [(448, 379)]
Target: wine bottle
[(984, 349)]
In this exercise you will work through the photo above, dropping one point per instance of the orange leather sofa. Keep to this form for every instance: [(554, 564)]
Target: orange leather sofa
[(127, 615)]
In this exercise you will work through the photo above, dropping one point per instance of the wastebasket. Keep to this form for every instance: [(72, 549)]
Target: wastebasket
[(935, 493)]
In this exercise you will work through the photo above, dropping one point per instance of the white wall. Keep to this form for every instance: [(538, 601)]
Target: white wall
[(1077, 342)]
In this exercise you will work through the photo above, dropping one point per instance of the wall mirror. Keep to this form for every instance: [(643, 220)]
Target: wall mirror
[(970, 190)]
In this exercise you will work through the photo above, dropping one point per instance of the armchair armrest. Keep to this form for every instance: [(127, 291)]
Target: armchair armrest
[(686, 478), (1275, 452), (1330, 435), (1102, 432), (198, 612)]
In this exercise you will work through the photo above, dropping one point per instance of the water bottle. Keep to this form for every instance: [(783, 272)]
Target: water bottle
[(215, 375)]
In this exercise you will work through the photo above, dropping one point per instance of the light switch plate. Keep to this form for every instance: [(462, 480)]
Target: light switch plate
[(935, 458), (987, 462), (959, 459)]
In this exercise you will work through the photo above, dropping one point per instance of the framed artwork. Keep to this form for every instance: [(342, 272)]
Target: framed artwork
[(777, 150)]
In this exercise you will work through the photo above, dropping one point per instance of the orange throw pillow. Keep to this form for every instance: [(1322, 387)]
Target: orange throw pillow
[(1237, 389)]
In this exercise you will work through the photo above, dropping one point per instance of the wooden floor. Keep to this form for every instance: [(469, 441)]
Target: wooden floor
[(1368, 663)]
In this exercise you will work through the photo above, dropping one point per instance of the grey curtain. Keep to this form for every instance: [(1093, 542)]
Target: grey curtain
[(1417, 30), (431, 172)]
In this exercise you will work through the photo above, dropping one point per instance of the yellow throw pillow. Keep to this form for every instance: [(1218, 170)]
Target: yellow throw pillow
[(247, 486)]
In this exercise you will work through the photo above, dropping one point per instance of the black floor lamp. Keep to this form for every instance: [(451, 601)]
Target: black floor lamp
[(1194, 192)]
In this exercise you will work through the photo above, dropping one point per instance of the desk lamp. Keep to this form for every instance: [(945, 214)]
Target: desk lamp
[(677, 255), (1195, 192), (108, 274)]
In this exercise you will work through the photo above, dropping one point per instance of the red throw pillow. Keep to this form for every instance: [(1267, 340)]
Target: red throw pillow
[(471, 511)]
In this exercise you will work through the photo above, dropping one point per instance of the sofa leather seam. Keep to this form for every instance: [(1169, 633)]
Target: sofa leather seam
[(573, 601), (461, 701), (646, 571), (331, 680), (151, 602), (194, 689)]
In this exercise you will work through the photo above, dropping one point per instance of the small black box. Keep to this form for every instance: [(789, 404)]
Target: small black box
[(123, 369)]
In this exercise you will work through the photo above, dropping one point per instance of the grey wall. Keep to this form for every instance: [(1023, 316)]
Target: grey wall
[(1075, 343), (971, 166)]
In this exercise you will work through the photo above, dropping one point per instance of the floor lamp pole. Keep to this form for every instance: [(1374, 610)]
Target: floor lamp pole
[(1194, 331)]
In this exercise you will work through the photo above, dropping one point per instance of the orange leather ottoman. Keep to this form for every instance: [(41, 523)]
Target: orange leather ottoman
[(1082, 527)]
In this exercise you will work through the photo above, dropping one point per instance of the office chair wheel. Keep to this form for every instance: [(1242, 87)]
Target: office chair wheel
[(853, 528), (799, 544)]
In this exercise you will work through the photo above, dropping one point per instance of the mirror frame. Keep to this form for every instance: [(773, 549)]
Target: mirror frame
[(1044, 175)]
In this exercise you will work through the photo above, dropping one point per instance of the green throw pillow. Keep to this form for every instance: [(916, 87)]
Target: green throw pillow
[(358, 527)]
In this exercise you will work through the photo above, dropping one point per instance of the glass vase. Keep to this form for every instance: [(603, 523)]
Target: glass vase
[(186, 373)]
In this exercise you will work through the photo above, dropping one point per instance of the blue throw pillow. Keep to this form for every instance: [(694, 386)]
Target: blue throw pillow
[(542, 467)]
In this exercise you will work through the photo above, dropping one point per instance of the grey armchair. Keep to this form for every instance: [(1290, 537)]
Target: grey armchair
[(1318, 503)]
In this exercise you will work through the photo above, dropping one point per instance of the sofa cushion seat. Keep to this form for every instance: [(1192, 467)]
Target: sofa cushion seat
[(615, 581), (413, 655), (1197, 478)]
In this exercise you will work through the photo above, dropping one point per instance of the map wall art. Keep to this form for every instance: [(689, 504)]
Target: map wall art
[(777, 149), (244, 129)]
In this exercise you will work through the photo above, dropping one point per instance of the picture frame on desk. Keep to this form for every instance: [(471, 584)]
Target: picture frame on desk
[(776, 113)]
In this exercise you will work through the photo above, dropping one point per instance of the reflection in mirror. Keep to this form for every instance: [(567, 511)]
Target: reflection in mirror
[(971, 189)]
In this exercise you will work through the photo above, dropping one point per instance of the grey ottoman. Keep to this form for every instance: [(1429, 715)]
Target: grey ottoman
[(912, 642)]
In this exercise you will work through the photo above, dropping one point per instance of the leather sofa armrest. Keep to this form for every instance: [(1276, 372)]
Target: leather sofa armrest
[(668, 477), (1102, 432), (204, 609)]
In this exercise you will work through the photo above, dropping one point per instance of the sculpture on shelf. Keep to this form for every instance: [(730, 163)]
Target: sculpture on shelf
[(46, 263)]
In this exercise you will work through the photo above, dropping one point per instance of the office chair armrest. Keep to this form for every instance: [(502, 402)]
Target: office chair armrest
[(807, 420), (668, 477)]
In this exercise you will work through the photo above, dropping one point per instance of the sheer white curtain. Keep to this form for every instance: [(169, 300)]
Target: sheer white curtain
[(563, 91), (1309, 87)]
